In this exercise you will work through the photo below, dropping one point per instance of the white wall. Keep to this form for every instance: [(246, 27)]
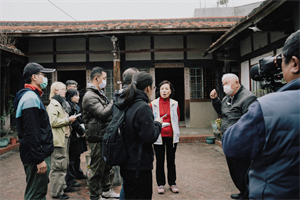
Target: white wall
[(100, 44), (136, 43), (40, 45), (168, 42), (277, 35), (245, 74), (201, 113), (201, 42), (70, 44), (245, 46), (260, 40)]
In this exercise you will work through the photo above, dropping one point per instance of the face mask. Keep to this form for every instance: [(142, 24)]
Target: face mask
[(103, 84), (227, 89), (45, 83)]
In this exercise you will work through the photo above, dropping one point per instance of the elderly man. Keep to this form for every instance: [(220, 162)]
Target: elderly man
[(233, 106), (71, 84), (269, 134)]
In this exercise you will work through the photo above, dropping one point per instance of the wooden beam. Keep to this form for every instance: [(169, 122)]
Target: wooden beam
[(109, 52), (250, 21), (266, 49), (118, 32)]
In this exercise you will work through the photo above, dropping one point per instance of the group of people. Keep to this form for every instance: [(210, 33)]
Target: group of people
[(52, 139), (261, 136), (260, 141)]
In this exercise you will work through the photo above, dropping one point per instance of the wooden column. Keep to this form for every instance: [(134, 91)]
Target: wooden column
[(117, 73)]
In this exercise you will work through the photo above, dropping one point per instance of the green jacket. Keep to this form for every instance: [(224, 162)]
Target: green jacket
[(97, 114), (59, 121)]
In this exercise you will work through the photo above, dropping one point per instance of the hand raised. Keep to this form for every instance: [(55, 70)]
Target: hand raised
[(213, 94)]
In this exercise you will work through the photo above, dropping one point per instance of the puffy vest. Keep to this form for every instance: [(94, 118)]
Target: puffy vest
[(174, 119), (275, 173)]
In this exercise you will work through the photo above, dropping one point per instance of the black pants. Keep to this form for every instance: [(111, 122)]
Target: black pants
[(74, 170), (238, 172), (160, 150), (137, 188)]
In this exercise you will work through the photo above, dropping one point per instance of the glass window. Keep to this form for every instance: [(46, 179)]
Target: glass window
[(202, 81), (109, 89)]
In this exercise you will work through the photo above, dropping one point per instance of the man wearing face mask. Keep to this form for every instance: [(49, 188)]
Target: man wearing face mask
[(233, 106), (97, 114), (34, 131)]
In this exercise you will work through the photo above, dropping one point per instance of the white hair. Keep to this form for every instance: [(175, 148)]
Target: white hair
[(230, 75)]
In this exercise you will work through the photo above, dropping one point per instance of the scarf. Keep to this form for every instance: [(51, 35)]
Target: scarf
[(65, 105)]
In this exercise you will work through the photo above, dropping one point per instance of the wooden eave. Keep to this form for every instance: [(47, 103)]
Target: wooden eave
[(253, 18)]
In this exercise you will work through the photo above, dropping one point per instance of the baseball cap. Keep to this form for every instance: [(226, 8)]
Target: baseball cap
[(33, 68)]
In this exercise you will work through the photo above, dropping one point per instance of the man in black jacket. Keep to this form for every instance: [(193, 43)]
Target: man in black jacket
[(97, 113), (233, 106), (34, 131)]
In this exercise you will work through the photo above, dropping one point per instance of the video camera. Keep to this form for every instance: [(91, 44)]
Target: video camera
[(268, 70)]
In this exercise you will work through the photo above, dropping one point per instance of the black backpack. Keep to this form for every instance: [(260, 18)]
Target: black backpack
[(114, 151)]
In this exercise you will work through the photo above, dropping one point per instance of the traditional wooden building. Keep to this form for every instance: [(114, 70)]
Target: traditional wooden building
[(242, 46), (169, 49)]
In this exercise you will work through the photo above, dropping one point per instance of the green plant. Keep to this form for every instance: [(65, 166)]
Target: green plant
[(9, 112), (218, 121)]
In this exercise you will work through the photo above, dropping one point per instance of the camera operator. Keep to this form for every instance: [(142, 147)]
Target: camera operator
[(269, 133), (232, 107)]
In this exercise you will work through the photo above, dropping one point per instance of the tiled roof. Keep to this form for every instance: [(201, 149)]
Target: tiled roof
[(118, 25), (11, 49)]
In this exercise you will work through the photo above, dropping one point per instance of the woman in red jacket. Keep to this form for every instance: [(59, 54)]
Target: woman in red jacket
[(168, 109)]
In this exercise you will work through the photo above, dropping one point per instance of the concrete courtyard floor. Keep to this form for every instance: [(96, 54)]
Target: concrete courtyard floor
[(202, 173)]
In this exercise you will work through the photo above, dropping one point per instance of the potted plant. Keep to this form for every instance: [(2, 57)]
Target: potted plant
[(216, 126), (13, 138)]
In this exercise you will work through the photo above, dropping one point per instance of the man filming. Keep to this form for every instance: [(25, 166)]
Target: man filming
[(269, 133)]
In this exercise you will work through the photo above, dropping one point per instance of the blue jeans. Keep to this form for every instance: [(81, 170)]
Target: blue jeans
[(122, 192)]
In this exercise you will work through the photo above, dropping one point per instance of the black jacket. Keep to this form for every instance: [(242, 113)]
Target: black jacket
[(140, 126), (33, 126), (97, 114), (77, 145), (231, 113)]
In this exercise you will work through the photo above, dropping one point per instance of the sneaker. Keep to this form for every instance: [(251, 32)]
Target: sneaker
[(64, 196), (110, 195), (69, 189), (174, 188), (76, 184), (161, 189)]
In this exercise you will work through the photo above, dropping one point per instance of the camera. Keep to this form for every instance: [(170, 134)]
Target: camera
[(268, 70)]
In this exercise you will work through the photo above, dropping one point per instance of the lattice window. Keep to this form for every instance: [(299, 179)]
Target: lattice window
[(109, 89), (202, 81), (45, 97)]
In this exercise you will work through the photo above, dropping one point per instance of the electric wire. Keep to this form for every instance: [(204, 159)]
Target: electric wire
[(75, 19)]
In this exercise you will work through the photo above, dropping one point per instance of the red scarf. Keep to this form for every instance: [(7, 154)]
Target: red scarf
[(33, 88)]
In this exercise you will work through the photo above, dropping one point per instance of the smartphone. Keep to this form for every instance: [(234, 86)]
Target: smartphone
[(78, 115)]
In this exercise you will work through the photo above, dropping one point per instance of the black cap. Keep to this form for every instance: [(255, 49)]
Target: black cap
[(33, 68)]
